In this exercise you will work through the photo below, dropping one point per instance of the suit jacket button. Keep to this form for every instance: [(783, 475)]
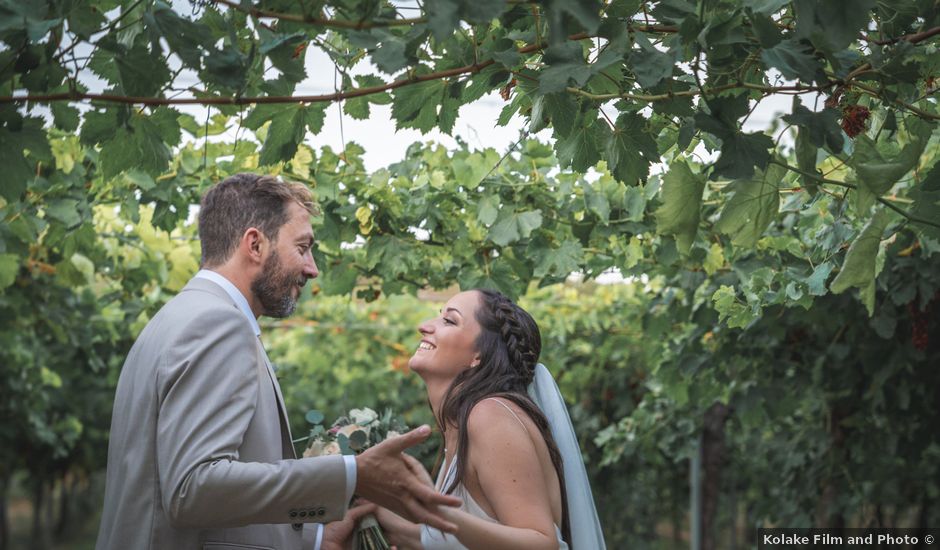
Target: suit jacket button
[(320, 512), (297, 526), (303, 513), (293, 513)]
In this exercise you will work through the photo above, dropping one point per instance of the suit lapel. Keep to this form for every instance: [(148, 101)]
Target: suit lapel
[(286, 437), (287, 445)]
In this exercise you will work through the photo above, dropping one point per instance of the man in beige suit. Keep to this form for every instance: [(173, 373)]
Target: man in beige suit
[(200, 455)]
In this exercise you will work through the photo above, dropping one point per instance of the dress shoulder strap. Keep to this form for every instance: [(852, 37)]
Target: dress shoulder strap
[(508, 408)]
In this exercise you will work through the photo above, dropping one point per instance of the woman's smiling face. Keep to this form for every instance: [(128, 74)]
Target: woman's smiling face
[(448, 341)]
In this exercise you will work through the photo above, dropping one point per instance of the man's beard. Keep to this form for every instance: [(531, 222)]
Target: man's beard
[(273, 286)]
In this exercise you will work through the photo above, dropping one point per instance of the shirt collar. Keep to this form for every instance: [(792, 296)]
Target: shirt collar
[(234, 293)]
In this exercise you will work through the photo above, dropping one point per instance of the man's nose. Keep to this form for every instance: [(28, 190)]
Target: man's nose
[(310, 269)]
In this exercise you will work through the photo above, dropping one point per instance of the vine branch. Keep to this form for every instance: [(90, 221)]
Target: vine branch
[(882, 200), (318, 21)]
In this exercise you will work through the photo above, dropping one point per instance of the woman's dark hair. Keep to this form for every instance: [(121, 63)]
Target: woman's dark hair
[(509, 345)]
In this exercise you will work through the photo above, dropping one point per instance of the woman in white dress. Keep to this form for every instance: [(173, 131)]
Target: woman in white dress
[(479, 361)]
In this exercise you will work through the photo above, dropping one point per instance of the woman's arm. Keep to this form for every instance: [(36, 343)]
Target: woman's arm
[(504, 460)]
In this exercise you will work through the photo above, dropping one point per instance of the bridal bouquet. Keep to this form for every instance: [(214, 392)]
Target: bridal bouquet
[(350, 434)]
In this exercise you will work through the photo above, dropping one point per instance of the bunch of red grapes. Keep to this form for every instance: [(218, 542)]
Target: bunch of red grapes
[(854, 118), (920, 321)]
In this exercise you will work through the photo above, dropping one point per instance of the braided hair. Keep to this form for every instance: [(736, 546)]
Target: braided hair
[(509, 346)]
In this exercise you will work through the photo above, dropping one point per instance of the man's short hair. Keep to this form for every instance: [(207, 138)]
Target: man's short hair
[(240, 202)]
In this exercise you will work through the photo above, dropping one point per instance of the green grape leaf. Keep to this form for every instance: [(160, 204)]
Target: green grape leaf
[(65, 116), (142, 72), (561, 261), (488, 209), (416, 106), (338, 280), (806, 160), (822, 128), (650, 65), (9, 267), (793, 59), (581, 149), (752, 207), (730, 309), (511, 226), (831, 25), (714, 260), (227, 68), (562, 111), (595, 198), (65, 211), (566, 67), (18, 171), (188, 39), (878, 174), (390, 56), (289, 125), (859, 267), (681, 206), (817, 280), (357, 107), (631, 149), (139, 144)]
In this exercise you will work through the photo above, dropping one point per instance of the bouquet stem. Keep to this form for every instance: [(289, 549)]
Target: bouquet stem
[(369, 535)]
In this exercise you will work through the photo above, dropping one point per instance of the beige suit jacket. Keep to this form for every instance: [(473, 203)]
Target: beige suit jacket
[(200, 455)]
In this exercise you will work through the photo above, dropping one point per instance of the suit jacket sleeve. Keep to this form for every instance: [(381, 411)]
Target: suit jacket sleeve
[(209, 386)]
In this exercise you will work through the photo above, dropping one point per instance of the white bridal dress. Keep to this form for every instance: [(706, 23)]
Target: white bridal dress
[(586, 531)]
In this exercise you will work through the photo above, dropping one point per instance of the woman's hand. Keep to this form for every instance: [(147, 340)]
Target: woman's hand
[(337, 534), (401, 533), (418, 470)]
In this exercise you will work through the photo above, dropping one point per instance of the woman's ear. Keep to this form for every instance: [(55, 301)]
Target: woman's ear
[(475, 362)]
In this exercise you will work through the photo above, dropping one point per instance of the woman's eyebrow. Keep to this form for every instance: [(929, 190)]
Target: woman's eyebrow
[(455, 310)]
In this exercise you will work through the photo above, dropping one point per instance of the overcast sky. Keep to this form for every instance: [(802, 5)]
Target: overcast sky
[(383, 145), (476, 123)]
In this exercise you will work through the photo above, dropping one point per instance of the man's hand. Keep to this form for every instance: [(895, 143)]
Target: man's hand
[(386, 476), (336, 534)]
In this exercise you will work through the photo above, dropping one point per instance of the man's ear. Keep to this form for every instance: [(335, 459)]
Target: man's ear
[(254, 245)]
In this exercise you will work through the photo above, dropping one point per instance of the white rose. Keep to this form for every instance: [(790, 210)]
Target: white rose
[(363, 416), (315, 448)]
